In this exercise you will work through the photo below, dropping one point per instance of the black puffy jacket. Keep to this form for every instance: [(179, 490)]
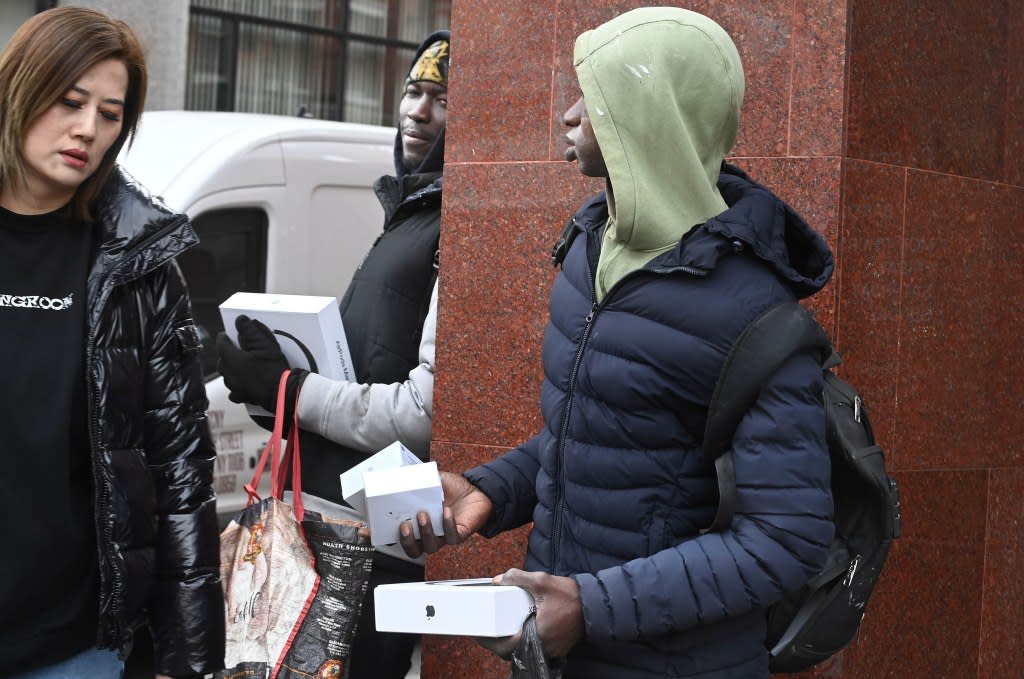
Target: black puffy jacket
[(151, 449)]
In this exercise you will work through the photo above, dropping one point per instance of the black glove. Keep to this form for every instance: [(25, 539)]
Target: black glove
[(252, 372)]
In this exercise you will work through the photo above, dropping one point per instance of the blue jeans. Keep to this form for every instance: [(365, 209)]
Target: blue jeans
[(95, 663)]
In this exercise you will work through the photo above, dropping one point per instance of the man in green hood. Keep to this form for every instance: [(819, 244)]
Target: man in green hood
[(664, 89), (660, 275)]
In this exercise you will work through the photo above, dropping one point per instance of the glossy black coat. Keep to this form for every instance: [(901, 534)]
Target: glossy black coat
[(152, 454)]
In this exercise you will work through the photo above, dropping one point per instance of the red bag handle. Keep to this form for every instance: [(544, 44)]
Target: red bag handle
[(271, 454), (292, 458)]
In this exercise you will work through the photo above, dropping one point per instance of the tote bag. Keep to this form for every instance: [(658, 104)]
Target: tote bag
[(292, 589)]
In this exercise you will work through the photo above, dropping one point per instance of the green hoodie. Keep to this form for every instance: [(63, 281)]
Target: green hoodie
[(663, 88)]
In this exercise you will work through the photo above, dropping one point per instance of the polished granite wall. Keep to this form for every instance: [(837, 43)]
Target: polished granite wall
[(895, 127)]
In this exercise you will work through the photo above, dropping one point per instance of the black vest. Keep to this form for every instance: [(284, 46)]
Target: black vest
[(383, 311), (389, 295)]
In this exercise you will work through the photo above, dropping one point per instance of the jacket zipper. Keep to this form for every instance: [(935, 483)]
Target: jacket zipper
[(595, 308), (108, 589), (556, 529), (106, 530)]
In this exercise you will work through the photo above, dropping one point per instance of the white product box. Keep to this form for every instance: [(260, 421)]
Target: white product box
[(472, 607), (397, 495), (393, 456), (308, 329)]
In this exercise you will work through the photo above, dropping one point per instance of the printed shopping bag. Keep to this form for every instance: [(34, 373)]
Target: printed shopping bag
[(292, 590)]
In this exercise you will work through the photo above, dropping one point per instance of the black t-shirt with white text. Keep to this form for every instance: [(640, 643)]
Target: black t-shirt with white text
[(48, 575)]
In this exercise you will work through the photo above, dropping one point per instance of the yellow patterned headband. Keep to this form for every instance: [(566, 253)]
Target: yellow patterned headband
[(432, 65)]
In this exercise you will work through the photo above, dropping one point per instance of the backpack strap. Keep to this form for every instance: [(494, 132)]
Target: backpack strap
[(564, 242), (769, 341)]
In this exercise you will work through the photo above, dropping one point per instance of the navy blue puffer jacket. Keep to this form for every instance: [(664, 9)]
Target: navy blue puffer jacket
[(615, 483)]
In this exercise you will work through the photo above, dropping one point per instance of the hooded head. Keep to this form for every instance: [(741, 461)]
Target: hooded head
[(419, 148), (663, 88)]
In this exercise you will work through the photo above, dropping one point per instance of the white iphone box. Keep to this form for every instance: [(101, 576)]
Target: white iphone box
[(397, 495), (471, 607), (391, 457), (307, 327)]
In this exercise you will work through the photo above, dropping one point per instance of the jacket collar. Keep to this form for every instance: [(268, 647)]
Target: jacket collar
[(394, 192), (756, 220), (136, 232)]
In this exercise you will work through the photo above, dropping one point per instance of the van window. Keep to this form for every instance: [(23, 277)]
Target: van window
[(231, 257)]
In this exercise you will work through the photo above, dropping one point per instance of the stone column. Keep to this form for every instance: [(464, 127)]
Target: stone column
[(895, 128)]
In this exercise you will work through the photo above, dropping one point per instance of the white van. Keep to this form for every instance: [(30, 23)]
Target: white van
[(281, 205)]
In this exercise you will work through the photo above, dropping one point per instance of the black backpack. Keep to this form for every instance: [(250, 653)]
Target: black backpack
[(810, 625)]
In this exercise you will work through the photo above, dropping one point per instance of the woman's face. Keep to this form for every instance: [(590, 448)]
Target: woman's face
[(65, 145)]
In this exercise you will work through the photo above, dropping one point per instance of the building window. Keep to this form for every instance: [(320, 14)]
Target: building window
[(331, 59)]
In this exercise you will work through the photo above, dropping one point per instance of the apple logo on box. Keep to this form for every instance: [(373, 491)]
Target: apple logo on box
[(430, 611)]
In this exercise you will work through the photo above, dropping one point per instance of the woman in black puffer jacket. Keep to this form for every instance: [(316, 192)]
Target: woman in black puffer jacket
[(106, 488)]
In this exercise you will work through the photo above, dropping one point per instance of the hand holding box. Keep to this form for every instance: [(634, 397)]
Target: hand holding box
[(308, 329), (394, 496), (391, 457)]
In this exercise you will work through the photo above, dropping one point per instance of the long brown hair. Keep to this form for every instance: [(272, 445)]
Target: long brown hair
[(43, 60)]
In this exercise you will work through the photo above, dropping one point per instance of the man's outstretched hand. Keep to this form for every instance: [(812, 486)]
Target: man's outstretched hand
[(466, 510)]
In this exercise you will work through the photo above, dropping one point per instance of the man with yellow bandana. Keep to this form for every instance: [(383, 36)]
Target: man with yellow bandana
[(390, 314), (659, 276)]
